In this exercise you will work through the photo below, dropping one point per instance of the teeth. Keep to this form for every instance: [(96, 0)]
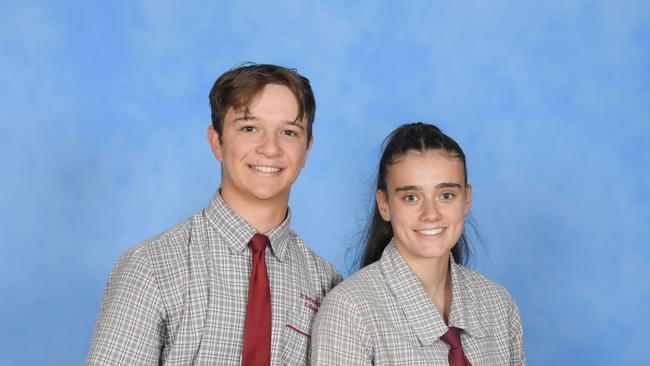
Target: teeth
[(265, 169), (430, 231)]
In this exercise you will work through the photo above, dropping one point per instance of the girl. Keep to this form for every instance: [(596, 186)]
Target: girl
[(413, 303)]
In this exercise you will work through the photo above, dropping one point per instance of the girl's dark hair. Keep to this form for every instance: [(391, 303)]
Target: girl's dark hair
[(408, 137)]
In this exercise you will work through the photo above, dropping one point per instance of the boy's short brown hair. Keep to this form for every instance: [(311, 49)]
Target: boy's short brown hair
[(237, 87)]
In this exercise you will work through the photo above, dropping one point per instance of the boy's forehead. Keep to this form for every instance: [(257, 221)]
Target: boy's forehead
[(250, 96), (245, 111)]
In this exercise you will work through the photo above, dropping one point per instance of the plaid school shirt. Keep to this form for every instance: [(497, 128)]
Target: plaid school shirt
[(382, 316), (180, 298)]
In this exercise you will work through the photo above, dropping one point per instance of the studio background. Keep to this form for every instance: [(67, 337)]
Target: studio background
[(104, 108)]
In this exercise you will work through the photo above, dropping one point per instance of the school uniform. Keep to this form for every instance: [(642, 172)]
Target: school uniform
[(180, 298), (382, 315)]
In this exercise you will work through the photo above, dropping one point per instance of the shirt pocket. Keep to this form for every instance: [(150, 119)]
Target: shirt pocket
[(297, 337)]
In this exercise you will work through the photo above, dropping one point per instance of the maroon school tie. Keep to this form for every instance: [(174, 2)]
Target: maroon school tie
[(456, 355), (257, 328)]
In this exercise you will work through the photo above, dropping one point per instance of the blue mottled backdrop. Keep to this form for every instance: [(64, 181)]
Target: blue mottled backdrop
[(103, 111)]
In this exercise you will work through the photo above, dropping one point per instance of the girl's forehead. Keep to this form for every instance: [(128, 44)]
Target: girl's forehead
[(428, 157), (429, 152), (427, 167)]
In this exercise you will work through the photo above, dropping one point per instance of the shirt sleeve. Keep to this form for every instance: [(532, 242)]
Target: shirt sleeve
[(130, 327), (515, 331), (339, 336)]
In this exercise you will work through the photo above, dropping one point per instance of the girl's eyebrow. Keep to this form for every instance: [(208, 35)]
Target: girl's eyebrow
[(408, 188), (418, 188)]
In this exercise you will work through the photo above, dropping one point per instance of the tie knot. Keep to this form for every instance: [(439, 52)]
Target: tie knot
[(258, 243), (452, 338)]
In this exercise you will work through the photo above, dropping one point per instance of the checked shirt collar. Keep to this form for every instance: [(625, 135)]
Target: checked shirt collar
[(237, 232), (423, 316)]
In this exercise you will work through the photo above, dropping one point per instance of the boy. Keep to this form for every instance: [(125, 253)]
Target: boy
[(233, 285)]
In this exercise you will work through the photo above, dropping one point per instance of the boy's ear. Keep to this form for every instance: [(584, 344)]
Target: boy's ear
[(215, 142)]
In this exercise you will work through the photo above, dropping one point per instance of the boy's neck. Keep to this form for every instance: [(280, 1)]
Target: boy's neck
[(263, 215)]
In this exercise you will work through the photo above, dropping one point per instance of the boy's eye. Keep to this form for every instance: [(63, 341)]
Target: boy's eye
[(290, 133), (248, 129), (447, 196)]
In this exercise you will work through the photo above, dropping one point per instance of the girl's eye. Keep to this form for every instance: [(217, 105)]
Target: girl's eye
[(448, 196), (410, 198)]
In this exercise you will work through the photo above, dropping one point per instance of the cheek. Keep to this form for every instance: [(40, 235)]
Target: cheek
[(241, 149), (297, 155), (457, 214), (402, 216)]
